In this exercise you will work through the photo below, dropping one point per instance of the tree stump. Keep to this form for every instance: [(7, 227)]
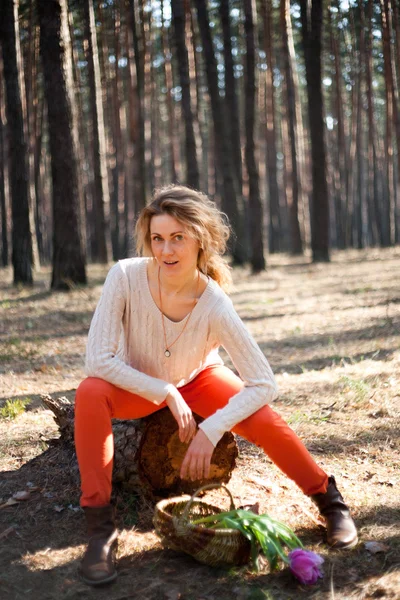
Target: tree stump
[(148, 453)]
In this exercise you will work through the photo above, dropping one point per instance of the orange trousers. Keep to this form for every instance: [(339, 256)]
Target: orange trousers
[(97, 402)]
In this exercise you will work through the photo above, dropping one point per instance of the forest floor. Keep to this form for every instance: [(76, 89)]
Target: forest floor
[(331, 333)]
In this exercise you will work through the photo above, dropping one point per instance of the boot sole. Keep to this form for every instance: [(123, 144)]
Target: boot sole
[(346, 547), (91, 582)]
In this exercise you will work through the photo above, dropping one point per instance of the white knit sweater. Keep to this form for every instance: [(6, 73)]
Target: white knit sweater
[(126, 346)]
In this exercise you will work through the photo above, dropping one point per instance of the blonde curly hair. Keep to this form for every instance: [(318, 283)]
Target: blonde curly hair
[(201, 217)]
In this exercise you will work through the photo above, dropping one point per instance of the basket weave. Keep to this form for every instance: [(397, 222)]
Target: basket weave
[(215, 547)]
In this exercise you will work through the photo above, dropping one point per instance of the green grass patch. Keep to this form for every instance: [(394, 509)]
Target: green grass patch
[(13, 408), (359, 388)]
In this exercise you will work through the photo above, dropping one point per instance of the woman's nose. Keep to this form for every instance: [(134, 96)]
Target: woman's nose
[(167, 248)]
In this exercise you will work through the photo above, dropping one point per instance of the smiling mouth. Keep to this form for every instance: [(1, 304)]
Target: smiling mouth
[(170, 263)]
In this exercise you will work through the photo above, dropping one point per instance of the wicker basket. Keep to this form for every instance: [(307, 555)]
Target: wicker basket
[(215, 547)]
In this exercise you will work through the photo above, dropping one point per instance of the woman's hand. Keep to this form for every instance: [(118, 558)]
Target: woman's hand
[(182, 414), (196, 463)]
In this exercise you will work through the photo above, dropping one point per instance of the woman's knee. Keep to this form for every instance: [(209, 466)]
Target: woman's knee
[(92, 390), (263, 423)]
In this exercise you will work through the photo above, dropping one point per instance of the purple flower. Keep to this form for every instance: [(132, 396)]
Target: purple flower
[(304, 565)]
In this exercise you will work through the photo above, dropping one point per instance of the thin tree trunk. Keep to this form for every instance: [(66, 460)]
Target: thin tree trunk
[(22, 256), (40, 199), (107, 84), (179, 21), (30, 104), (255, 205), (145, 20), (133, 175), (296, 244), (55, 49), (360, 212), (396, 74), (390, 120), (118, 168), (312, 41), (171, 142), (36, 137), (3, 176), (372, 167), (273, 188), (341, 159), (231, 98), (391, 74), (131, 134), (155, 119), (101, 197), (353, 150), (81, 137), (229, 202), (140, 187), (197, 97)]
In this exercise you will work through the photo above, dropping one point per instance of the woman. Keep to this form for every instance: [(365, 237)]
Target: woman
[(153, 342)]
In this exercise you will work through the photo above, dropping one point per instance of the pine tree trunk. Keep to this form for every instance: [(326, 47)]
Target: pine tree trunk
[(229, 201), (68, 255), (141, 193), (179, 22), (340, 154), (30, 113), (311, 18), (22, 256), (134, 176), (170, 141), (359, 224), (3, 175), (396, 76), (372, 164), (148, 453), (118, 172), (255, 206), (131, 165), (293, 173), (82, 144), (390, 121), (390, 77), (231, 99), (196, 96), (101, 197), (273, 188), (145, 21)]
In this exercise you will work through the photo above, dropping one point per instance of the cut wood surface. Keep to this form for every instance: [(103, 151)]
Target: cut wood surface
[(148, 453)]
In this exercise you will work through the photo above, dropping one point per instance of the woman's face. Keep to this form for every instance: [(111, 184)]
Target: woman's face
[(173, 247)]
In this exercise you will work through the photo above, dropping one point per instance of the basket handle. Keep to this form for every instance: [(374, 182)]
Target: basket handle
[(209, 486)]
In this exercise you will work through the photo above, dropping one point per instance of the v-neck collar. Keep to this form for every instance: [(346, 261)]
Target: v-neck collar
[(153, 306)]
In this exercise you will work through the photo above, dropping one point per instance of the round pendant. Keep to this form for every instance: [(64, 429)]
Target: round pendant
[(167, 353)]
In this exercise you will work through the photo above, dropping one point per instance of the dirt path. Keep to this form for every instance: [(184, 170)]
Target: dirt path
[(331, 333)]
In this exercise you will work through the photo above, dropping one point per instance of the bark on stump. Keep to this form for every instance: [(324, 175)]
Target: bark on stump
[(148, 453)]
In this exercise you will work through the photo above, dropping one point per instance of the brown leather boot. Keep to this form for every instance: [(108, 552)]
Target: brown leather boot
[(97, 566), (341, 531)]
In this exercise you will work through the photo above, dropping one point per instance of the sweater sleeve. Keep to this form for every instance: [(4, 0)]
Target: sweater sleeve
[(104, 336), (260, 386)]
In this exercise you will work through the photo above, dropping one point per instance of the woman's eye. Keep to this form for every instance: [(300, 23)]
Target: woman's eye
[(179, 238), (156, 238)]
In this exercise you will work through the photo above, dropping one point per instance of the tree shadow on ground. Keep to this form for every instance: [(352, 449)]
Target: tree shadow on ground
[(266, 314), (44, 552), (338, 445), (35, 400), (53, 324), (377, 328), (157, 574), (12, 302), (334, 360)]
